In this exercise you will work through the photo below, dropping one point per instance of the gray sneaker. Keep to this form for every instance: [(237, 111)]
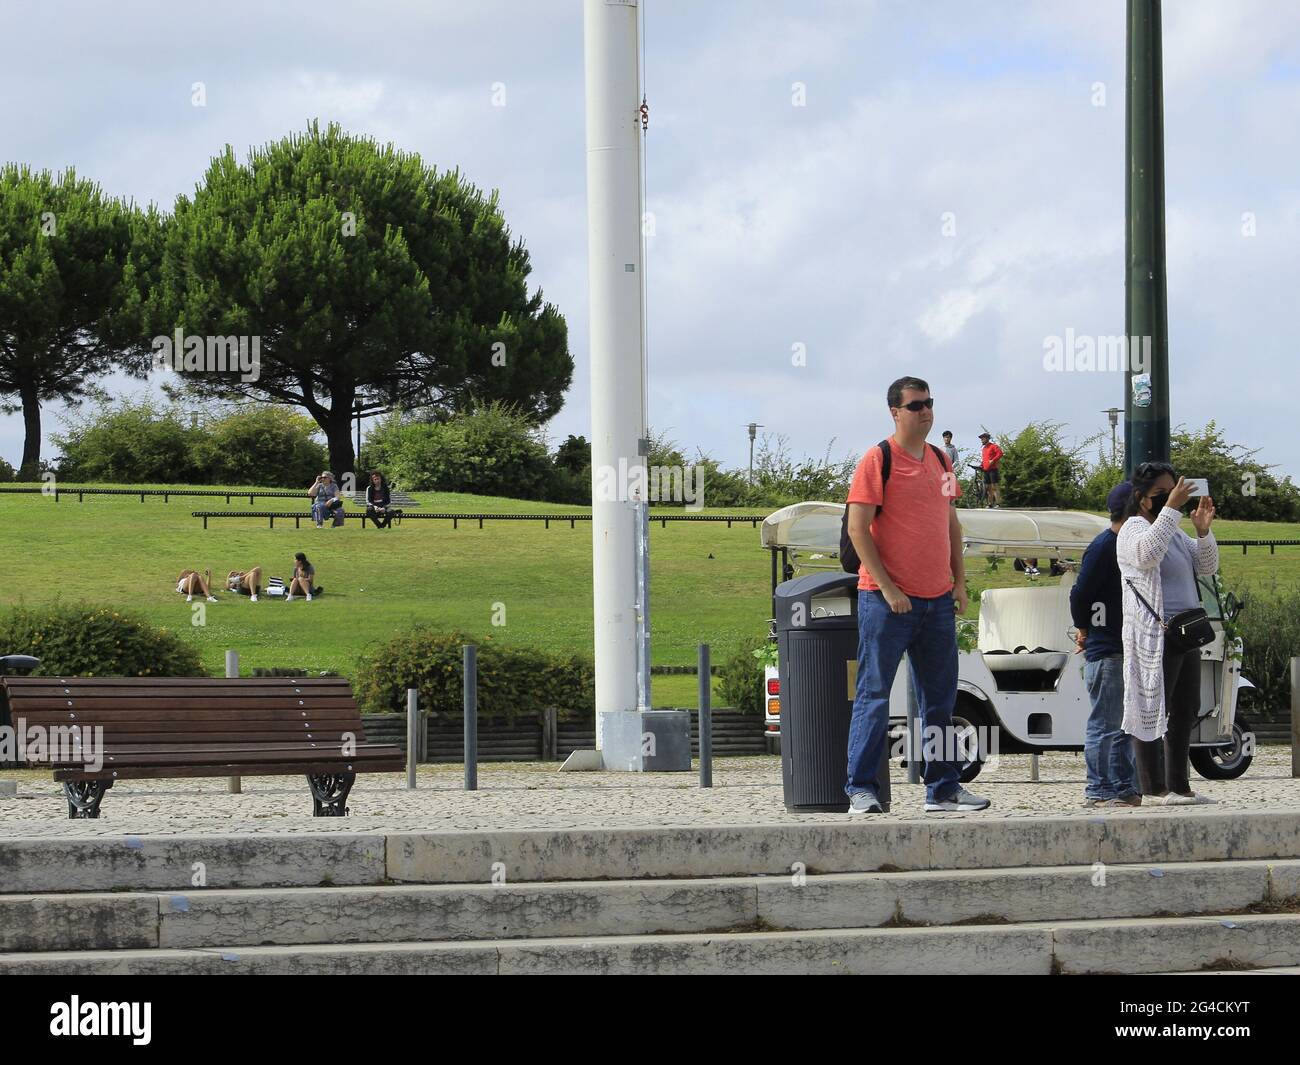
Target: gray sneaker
[(960, 800), (865, 803)]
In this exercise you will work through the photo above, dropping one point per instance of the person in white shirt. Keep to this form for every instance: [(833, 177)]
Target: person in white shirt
[(1162, 688)]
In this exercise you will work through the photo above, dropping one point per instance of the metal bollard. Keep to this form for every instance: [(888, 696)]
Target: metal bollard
[(1033, 766), (471, 717), (412, 735), (234, 785), (706, 719)]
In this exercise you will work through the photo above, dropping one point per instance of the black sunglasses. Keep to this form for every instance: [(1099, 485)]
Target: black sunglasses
[(917, 405)]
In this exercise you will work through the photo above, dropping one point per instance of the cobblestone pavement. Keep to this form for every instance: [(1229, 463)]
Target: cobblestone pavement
[(534, 795)]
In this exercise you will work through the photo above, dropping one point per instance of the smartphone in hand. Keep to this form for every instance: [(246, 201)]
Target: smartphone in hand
[(1200, 486)]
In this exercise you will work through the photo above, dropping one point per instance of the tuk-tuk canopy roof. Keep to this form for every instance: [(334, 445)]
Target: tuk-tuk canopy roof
[(815, 527)]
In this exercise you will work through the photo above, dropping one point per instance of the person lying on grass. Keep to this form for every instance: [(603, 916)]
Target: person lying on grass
[(245, 582), (191, 581)]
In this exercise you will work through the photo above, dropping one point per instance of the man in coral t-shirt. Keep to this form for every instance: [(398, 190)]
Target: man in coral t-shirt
[(911, 586), (990, 461)]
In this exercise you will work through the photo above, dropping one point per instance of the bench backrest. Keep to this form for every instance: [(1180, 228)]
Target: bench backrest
[(1026, 617), (193, 711)]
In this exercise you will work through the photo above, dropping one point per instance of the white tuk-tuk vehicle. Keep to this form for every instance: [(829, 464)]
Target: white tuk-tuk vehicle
[(1022, 681)]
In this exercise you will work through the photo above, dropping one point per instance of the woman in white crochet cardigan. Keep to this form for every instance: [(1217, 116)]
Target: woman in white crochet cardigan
[(1162, 690)]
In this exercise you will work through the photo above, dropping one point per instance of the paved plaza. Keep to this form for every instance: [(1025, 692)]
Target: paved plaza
[(523, 795)]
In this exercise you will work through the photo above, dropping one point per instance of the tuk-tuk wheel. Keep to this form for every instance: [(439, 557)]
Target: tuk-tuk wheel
[(1227, 762)]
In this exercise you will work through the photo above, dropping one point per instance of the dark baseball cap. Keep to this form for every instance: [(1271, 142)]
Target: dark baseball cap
[(985, 436), (1119, 496)]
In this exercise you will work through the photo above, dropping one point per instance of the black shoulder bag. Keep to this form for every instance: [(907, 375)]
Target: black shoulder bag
[(1186, 630)]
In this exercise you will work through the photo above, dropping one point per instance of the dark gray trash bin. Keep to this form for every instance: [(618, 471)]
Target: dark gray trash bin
[(817, 642), (17, 665), (13, 666)]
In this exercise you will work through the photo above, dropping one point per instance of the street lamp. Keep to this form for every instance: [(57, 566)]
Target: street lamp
[(753, 428), (1114, 413)]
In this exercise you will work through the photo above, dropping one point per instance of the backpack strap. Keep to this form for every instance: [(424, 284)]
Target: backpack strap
[(886, 461)]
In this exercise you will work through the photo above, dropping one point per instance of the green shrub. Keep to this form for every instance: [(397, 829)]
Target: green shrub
[(1270, 629), (142, 442), (257, 445), (489, 451), (6, 472), (1242, 487), (96, 641), (131, 443), (1038, 469), (1097, 485), (512, 681), (740, 677)]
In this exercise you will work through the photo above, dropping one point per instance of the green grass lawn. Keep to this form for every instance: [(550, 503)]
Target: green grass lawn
[(119, 551)]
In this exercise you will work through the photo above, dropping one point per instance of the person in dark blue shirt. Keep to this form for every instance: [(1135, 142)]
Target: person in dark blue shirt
[(1098, 614)]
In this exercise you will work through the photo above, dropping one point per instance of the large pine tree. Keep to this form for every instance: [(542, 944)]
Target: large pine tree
[(367, 277), (72, 265)]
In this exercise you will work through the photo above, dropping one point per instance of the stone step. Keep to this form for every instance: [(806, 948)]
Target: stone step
[(1142, 945), (399, 913), (341, 857)]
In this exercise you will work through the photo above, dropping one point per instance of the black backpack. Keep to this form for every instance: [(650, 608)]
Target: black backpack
[(848, 553)]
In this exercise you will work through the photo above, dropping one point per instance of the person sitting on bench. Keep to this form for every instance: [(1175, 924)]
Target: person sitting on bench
[(245, 582), (303, 575), (191, 581), (325, 500), (378, 501)]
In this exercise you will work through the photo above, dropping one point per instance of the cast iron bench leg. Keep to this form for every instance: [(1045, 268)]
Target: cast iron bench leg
[(329, 793), (84, 797)]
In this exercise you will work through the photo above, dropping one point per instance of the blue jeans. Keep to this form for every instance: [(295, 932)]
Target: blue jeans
[(928, 635), (322, 511), (1107, 750)]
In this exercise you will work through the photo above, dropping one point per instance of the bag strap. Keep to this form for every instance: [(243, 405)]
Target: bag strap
[(1145, 603)]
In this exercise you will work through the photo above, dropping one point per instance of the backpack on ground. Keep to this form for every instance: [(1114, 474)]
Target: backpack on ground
[(848, 553)]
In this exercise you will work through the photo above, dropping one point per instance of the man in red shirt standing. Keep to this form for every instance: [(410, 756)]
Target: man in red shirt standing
[(911, 586), (990, 458)]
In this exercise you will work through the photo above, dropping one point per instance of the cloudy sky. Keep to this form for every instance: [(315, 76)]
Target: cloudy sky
[(776, 225)]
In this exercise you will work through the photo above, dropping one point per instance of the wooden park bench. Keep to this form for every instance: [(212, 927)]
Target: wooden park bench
[(168, 727)]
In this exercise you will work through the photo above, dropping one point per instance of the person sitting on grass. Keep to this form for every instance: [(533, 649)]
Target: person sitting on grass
[(191, 581), (378, 501), (325, 500), (303, 574), (245, 582)]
